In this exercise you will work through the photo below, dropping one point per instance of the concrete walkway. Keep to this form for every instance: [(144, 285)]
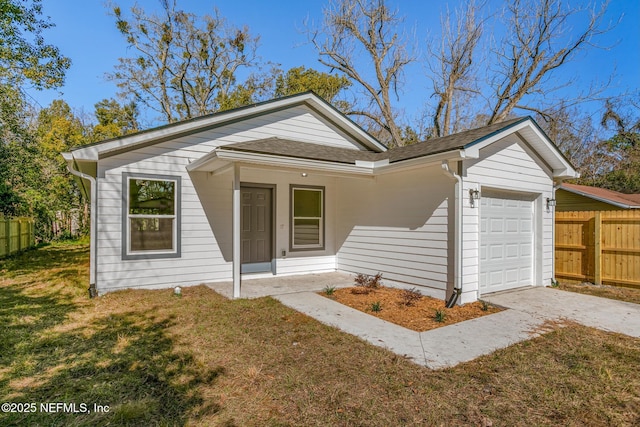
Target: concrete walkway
[(438, 348), (527, 312)]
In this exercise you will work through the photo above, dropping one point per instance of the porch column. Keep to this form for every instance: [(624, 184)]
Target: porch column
[(236, 231)]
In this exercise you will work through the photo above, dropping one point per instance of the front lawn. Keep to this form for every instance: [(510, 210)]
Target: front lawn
[(157, 359)]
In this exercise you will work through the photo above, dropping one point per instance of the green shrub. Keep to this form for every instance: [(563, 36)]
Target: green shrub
[(329, 290)]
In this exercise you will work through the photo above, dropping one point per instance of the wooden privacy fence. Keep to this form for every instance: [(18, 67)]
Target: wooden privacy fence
[(16, 234), (601, 247)]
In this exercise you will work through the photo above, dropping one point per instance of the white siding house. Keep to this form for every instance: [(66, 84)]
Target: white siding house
[(292, 186)]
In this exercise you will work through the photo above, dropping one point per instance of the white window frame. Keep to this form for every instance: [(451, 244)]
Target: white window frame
[(320, 244), (127, 252)]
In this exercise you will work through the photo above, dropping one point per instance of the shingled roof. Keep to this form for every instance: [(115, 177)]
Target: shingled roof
[(304, 150)]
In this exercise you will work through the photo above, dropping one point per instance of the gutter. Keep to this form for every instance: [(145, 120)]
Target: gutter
[(457, 264), (68, 157), (360, 167)]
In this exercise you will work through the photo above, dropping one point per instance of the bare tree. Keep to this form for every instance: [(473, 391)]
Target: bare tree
[(573, 133), (182, 67), (535, 46), (540, 37), (453, 74), (351, 27)]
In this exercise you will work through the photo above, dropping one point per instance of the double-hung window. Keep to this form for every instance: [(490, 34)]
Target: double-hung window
[(151, 217), (307, 218)]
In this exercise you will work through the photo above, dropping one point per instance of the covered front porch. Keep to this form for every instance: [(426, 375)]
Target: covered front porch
[(279, 215), (274, 222)]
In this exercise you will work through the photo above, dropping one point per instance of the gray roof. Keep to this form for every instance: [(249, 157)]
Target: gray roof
[(453, 142), (305, 150)]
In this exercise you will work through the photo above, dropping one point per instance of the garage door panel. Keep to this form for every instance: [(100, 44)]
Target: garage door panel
[(497, 226), (506, 241), (496, 278), (513, 251), (496, 252), (512, 276), (496, 203), (512, 225)]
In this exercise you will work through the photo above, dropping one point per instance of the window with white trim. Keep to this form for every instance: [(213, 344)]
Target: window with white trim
[(307, 217), (151, 217)]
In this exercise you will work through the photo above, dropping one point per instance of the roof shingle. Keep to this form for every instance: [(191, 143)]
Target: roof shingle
[(305, 150)]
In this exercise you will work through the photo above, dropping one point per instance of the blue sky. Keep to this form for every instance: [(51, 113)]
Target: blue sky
[(86, 33)]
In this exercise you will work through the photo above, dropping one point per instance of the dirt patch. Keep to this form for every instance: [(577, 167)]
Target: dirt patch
[(419, 316)]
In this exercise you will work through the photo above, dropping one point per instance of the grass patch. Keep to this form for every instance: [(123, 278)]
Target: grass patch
[(204, 360), (613, 292)]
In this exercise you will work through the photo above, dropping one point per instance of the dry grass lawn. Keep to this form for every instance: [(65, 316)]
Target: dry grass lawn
[(613, 292), (199, 359)]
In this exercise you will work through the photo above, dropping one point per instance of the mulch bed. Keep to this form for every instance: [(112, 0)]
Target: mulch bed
[(419, 316)]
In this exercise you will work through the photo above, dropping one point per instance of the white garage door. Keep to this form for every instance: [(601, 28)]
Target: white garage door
[(506, 241)]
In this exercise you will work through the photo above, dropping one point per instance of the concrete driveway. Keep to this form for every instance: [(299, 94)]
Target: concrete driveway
[(602, 313), (526, 315)]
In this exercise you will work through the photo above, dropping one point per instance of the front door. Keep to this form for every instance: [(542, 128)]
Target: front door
[(256, 229)]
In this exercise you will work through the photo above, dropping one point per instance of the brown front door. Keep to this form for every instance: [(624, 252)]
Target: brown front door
[(256, 229)]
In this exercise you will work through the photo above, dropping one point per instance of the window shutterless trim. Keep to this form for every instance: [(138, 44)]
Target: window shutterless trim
[(321, 246), (126, 226)]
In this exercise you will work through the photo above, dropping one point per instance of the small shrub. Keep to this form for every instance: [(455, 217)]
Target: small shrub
[(329, 290), (410, 296), (440, 316), (554, 283), (376, 307), (370, 282), (484, 306)]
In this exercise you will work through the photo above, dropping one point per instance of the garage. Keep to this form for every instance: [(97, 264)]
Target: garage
[(506, 241)]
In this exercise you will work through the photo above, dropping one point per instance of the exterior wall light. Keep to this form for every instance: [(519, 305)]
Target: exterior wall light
[(550, 203), (474, 195), (303, 174)]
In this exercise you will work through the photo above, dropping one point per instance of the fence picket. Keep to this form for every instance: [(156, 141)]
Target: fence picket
[(16, 234)]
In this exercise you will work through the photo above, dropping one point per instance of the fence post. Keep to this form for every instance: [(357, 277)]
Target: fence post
[(7, 242), (19, 235), (598, 248)]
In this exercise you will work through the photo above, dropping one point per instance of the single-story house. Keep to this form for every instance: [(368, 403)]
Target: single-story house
[(292, 186), (574, 197)]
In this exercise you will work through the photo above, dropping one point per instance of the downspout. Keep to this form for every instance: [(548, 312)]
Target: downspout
[(93, 292), (457, 263)]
